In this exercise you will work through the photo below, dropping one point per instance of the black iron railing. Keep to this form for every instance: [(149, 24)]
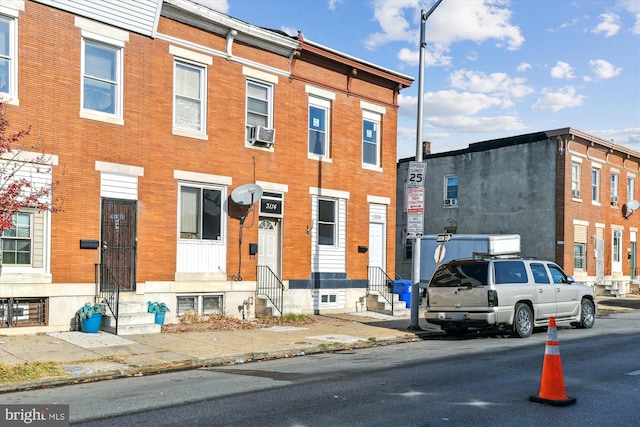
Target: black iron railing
[(380, 283), (23, 312), (108, 291), (271, 287)]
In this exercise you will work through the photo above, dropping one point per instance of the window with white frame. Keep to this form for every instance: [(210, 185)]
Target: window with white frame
[(616, 250), (102, 77), (199, 304), (451, 190), (17, 241), (575, 180), (8, 57), (595, 185), (613, 190), (631, 184), (319, 116), (190, 96), (371, 138), (259, 105), (200, 212), (327, 222), (580, 231)]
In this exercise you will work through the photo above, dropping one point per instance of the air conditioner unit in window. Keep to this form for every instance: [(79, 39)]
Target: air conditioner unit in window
[(262, 136), (575, 194), (614, 200), (451, 202)]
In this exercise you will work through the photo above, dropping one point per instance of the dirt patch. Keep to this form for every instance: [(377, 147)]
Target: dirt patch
[(192, 323)]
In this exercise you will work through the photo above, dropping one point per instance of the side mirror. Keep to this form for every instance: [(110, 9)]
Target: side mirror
[(569, 280)]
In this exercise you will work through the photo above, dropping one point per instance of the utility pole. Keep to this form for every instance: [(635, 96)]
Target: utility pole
[(415, 283)]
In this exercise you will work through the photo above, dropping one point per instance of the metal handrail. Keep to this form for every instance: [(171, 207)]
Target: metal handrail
[(109, 290), (270, 286), (381, 283)]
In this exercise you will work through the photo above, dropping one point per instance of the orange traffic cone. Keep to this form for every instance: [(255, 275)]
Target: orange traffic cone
[(552, 384)]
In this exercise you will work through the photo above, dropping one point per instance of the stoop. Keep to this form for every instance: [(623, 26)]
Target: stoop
[(133, 319)]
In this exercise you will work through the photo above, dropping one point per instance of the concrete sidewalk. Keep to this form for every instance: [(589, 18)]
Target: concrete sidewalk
[(91, 357)]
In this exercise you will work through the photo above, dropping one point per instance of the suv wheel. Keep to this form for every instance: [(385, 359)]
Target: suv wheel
[(587, 314), (522, 321)]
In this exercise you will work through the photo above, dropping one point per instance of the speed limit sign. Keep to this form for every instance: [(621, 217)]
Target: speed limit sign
[(417, 170)]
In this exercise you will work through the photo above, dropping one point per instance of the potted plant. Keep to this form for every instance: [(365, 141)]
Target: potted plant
[(159, 309), (89, 317)]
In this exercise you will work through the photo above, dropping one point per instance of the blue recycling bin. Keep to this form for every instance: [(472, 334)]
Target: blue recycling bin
[(406, 297), (401, 286)]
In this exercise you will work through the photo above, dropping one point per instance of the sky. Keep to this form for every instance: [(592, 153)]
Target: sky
[(492, 68)]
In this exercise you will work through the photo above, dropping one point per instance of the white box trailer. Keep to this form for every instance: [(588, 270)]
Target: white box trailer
[(462, 246)]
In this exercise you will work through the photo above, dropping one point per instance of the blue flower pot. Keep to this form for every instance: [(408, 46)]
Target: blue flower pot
[(92, 324), (160, 318)]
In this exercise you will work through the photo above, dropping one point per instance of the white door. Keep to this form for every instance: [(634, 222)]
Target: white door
[(269, 244), (376, 245)]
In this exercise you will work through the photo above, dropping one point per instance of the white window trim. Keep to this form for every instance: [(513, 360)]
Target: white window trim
[(445, 189), (616, 266), (325, 104), (223, 216), (597, 167), (190, 133), (577, 197), (373, 117), (12, 14), (271, 100)]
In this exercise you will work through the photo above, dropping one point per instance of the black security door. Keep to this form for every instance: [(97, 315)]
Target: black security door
[(118, 261)]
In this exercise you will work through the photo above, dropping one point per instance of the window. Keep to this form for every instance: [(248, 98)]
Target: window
[(595, 185), (371, 139), (200, 213), (328, 298), (557, 274), (16, 241), (575, 180), (259, 105), (510, 272), (631, 184), (319, 126), (326, 222), (8, 66), (451, 190), (539, 273), (616, 246), (613, 190), (189, 91), (101, 78), (579, 250), (408, 247)]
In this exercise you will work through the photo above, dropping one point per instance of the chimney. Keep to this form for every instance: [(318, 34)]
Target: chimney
[(426, 147)]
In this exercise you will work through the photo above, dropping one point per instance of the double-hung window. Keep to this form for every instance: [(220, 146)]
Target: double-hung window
[(259, 105), (631, 183), (16, 241), (595, 185), (200, 212), (451, 190), (613, 190), (371, 139), (102, 77), (327, 222), (8, 65), (575, 180), (189, 91), (319, 126)]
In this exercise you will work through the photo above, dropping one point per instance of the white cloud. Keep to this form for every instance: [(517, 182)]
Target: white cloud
[(610, 25), (495, 83), (218, 5), (562, 70), (431, 57), (633, 7), (523, 66), (333, 3), (560, 99), (603, 69)]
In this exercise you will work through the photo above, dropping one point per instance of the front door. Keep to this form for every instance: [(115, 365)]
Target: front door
[(118, 240), (376, 245), (269, 244)]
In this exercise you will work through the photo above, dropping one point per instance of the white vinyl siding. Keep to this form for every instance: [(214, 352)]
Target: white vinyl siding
[(329, 258)]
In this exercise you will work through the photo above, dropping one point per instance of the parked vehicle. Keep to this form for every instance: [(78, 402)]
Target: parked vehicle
[(514, 294)]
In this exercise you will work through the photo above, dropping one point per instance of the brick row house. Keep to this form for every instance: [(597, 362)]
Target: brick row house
[(568, 194), (203, 161)]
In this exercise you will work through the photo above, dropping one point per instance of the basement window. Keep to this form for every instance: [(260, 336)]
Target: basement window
[(200, 304)]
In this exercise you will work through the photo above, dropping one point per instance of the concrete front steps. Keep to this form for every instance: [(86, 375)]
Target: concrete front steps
[(378, 304), (133, 319)]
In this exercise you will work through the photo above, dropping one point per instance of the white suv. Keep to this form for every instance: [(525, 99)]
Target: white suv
[(511, 293)]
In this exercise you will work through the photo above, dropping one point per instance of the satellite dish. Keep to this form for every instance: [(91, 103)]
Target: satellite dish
[(630, 207), (246, 195)]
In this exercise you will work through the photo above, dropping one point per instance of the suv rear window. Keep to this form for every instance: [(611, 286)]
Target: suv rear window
[(510, 272), (460, 273)]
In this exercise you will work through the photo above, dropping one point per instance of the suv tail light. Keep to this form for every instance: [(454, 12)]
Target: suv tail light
[(492, 298)]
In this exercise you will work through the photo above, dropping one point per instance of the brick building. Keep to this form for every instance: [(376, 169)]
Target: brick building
[(565, 192), (153, 116)]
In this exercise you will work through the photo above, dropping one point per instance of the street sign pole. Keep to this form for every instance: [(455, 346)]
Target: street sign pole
[(415, 283)]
